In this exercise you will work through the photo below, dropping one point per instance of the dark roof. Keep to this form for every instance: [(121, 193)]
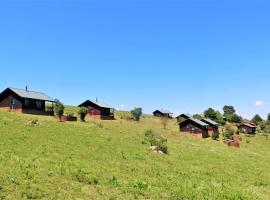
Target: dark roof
[(185, 115), (31, 94), (195, 121), (209, 121), (163, 111), (248, 125), (98, 103)]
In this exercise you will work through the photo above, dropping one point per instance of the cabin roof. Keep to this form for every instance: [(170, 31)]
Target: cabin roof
[(31, 94), (185, 115), (207, 120), (195, 121), (248, 125), (98, 103), (164, 111)]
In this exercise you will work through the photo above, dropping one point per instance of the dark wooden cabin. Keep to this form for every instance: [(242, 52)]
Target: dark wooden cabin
[(98, 110), (194, 127), (162, 113), (25, 101), (183, 117), (212, 126), (247, 127)]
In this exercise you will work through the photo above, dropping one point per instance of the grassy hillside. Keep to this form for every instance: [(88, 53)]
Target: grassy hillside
[(109, 160)]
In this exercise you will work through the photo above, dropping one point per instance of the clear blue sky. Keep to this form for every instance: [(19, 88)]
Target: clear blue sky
[(184, 55)]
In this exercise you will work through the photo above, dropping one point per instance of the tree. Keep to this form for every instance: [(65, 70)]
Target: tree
[(197, 116), (82, 113), (136, 113), (257, 119), (234, 118), (228, 110), (59, 109), (268, 119), (210, 113)]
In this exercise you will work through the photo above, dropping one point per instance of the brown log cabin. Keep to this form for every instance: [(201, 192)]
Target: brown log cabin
[(212, 126), (194, 127), (162, 113), (98, 110), (247, 127), (25, 101)]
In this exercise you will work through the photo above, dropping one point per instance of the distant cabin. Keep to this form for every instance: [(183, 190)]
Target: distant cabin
[(247, 127), (212, 126), (25, 101), (162, 113), (194, 127), (183, 117), (98, 110)]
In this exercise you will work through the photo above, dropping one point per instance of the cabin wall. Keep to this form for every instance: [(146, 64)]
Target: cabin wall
[(6, 104), (191, 129), (247, 129)]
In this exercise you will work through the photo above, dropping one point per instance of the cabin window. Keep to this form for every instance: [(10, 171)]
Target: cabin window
[(26, 102), (38, 104), (12, 101)]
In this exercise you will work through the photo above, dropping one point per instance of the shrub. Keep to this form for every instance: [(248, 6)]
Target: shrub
[(82, 113), (84, 177), (136, 113), (155, 139), (70, 114), (164, 121), (215, 135), (59, 109)]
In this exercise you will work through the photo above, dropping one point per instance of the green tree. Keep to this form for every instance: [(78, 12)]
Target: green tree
[(228, 110), (234, 118), (82, 112), (268, 119), (136, 113), (257, 119), (210, 113), (197, 116)]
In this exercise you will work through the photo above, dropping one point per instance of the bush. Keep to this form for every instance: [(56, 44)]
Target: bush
[(215, 136), (70, 114), (82, 113), (155, 139), (136, 113), (59, 109)]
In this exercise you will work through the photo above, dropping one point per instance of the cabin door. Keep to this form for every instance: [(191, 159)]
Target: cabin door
[(12, 103)]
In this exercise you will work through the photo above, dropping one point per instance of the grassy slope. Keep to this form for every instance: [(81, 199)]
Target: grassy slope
[(65, 160)]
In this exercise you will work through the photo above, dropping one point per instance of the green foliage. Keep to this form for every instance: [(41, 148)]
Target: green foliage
[(268, 118), (228, 110), (210, 113), (214, 115), (229, 131), (263, 129), (85, 177), (59, 109), (70, 114), (136, 113), (257, 119), (197, 116), (82, 113), (155, 139), (215, 136), (234, 118)]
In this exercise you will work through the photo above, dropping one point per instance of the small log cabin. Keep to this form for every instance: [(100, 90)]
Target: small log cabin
[(183, 117), (162, 113), (25, 101), (98, 110), (212, 126), (194, 127), (247, 127)]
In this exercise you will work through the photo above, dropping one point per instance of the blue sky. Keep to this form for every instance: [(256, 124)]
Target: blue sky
[(183, 55)]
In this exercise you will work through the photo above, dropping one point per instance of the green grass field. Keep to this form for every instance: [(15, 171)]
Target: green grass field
[(109, 160)]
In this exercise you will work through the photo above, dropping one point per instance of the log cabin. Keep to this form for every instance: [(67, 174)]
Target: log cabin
[(183, 117), (98, 110), (27, 102), (194, 127), (212, 126), (162, 113), (247, 127)]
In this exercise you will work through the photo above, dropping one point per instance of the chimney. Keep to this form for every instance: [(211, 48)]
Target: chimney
[(26, 89), (96, 99)]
